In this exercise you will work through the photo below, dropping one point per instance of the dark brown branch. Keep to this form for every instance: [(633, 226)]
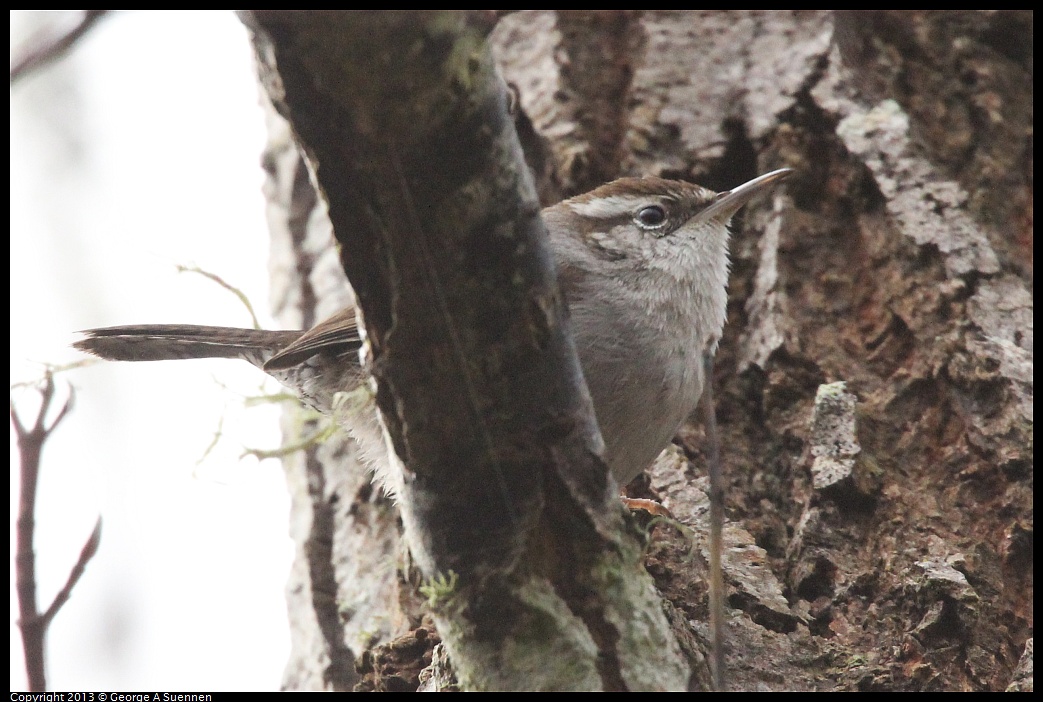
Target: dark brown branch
[(34, 625), (90, 547), (41, 49)]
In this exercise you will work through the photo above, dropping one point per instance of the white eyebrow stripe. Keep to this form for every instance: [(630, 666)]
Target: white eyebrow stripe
[(611, 206)]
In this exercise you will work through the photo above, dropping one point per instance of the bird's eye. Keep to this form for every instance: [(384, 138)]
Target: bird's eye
[(650, 217)]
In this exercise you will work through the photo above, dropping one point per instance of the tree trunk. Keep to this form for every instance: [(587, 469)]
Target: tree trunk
[(880, 533)]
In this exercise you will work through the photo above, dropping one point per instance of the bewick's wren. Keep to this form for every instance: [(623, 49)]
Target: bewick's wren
[(643, 264)]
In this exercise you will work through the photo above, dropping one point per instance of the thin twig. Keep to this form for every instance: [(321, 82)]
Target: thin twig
[(227, 286), (90, 547), (716, 472)]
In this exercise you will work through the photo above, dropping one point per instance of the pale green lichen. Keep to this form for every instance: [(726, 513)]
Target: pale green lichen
[(650, 657), (548, 647), (440, 590)]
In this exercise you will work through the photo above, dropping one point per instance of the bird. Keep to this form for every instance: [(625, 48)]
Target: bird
[(643, 266)]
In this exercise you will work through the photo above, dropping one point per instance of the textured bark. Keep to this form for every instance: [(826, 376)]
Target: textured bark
[(343, 592), (897, 260), (533, 578)]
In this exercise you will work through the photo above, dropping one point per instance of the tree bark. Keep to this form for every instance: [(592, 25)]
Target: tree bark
[(510, 517), (898, 260)]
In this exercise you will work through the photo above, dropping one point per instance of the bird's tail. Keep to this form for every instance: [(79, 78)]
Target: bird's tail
[(165, 342)]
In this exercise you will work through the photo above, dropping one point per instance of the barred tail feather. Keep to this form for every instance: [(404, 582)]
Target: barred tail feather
[(165, 342)]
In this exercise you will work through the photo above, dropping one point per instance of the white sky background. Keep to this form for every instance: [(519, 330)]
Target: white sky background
[(139, 151)]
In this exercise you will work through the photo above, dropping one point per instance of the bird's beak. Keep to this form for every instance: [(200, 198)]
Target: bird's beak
[(729, 202)]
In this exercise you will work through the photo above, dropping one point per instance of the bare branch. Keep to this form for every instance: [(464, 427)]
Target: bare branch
[(41, 50), (90, 547), (32, 624)]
